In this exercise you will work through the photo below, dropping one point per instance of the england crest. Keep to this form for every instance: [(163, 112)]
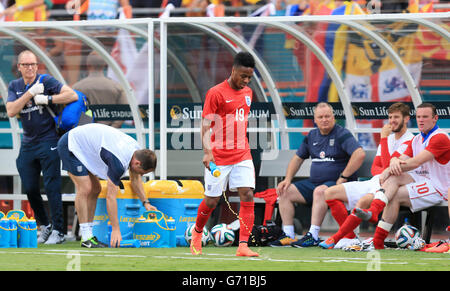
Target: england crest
[(248, 100)]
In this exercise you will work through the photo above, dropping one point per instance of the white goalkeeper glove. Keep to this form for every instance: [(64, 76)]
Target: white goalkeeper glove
[(36, 89), (41, 99)]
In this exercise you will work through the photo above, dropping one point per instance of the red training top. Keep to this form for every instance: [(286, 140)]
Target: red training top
[(228, 110)]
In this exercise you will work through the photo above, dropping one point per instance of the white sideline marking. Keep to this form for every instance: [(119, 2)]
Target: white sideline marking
[(65, 253), (435, 259), (83, 250), (221, 257)]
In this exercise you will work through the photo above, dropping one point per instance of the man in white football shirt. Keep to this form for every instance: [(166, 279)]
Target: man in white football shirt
[(94, 151), (344, 197), (418, 179)]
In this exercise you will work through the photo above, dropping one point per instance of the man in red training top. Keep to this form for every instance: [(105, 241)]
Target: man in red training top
[(224, 139)]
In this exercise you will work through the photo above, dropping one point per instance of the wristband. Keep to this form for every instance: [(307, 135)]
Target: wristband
[(50, 99), (346, 178)]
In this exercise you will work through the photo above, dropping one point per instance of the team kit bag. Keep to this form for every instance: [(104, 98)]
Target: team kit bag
[(261, 235), (72, 114)]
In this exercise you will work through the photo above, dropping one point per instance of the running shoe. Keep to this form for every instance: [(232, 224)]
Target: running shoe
[(44, 234), (93, 242), (244, 251), (306, 241), (196, 243), (55, 237), (441, 247), (285, 241), (329, 243)]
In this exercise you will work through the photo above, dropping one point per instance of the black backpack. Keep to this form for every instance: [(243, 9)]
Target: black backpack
[(262, 235)]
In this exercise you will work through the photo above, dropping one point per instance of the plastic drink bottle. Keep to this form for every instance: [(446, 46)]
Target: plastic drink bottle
[(23, 233), (125, 243), (4, 233), (214, 170), (32, 233), (172, 237), (130, 243), (109, 233), (13, 233)]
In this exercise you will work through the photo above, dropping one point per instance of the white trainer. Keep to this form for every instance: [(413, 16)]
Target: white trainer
[(45, 232), (55, 237)]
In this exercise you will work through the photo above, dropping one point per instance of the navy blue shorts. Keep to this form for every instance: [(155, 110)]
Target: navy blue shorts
[(306, 188), (70, 163)]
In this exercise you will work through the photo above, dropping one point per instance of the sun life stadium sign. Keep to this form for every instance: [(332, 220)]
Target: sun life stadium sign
[(258, 111)]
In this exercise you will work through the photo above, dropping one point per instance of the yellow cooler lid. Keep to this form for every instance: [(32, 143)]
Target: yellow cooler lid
[(192, 189), (125, 193)]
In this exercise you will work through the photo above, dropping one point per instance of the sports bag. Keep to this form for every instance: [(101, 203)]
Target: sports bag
[(264, 234), (73, 114)]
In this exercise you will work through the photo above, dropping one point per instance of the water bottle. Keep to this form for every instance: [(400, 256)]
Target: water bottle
[(13, 233), (214, 170), (4, 233), (172, 234), (16, 214), (130, 243), (23, 233), (124, 243), (109, 233), (32, 227)]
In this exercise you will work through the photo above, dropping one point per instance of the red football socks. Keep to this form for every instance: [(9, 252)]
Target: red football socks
[(338, 210), (340, 214), (203, 214), (379, 237), (347, 228), (376, 207), (246, 219)]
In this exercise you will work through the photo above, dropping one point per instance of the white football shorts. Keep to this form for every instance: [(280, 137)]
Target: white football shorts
[(422, 193), (236, 176), (357, 189)]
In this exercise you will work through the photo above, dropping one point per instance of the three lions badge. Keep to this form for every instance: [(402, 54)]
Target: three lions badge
[(248, 100)]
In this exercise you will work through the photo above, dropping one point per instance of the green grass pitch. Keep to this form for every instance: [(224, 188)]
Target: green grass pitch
[(70, 256)]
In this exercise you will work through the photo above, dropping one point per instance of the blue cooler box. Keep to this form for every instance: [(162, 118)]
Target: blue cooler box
[(129, 209), (177, 199)]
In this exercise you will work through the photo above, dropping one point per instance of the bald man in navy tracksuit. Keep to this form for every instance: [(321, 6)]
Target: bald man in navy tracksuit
[(27, 97)]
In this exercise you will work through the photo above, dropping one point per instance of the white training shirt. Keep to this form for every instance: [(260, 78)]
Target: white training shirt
[(86, 142), (438, 169), (394, 144)]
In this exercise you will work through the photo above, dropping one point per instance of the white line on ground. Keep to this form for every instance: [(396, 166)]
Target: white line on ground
[(213, 256)]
